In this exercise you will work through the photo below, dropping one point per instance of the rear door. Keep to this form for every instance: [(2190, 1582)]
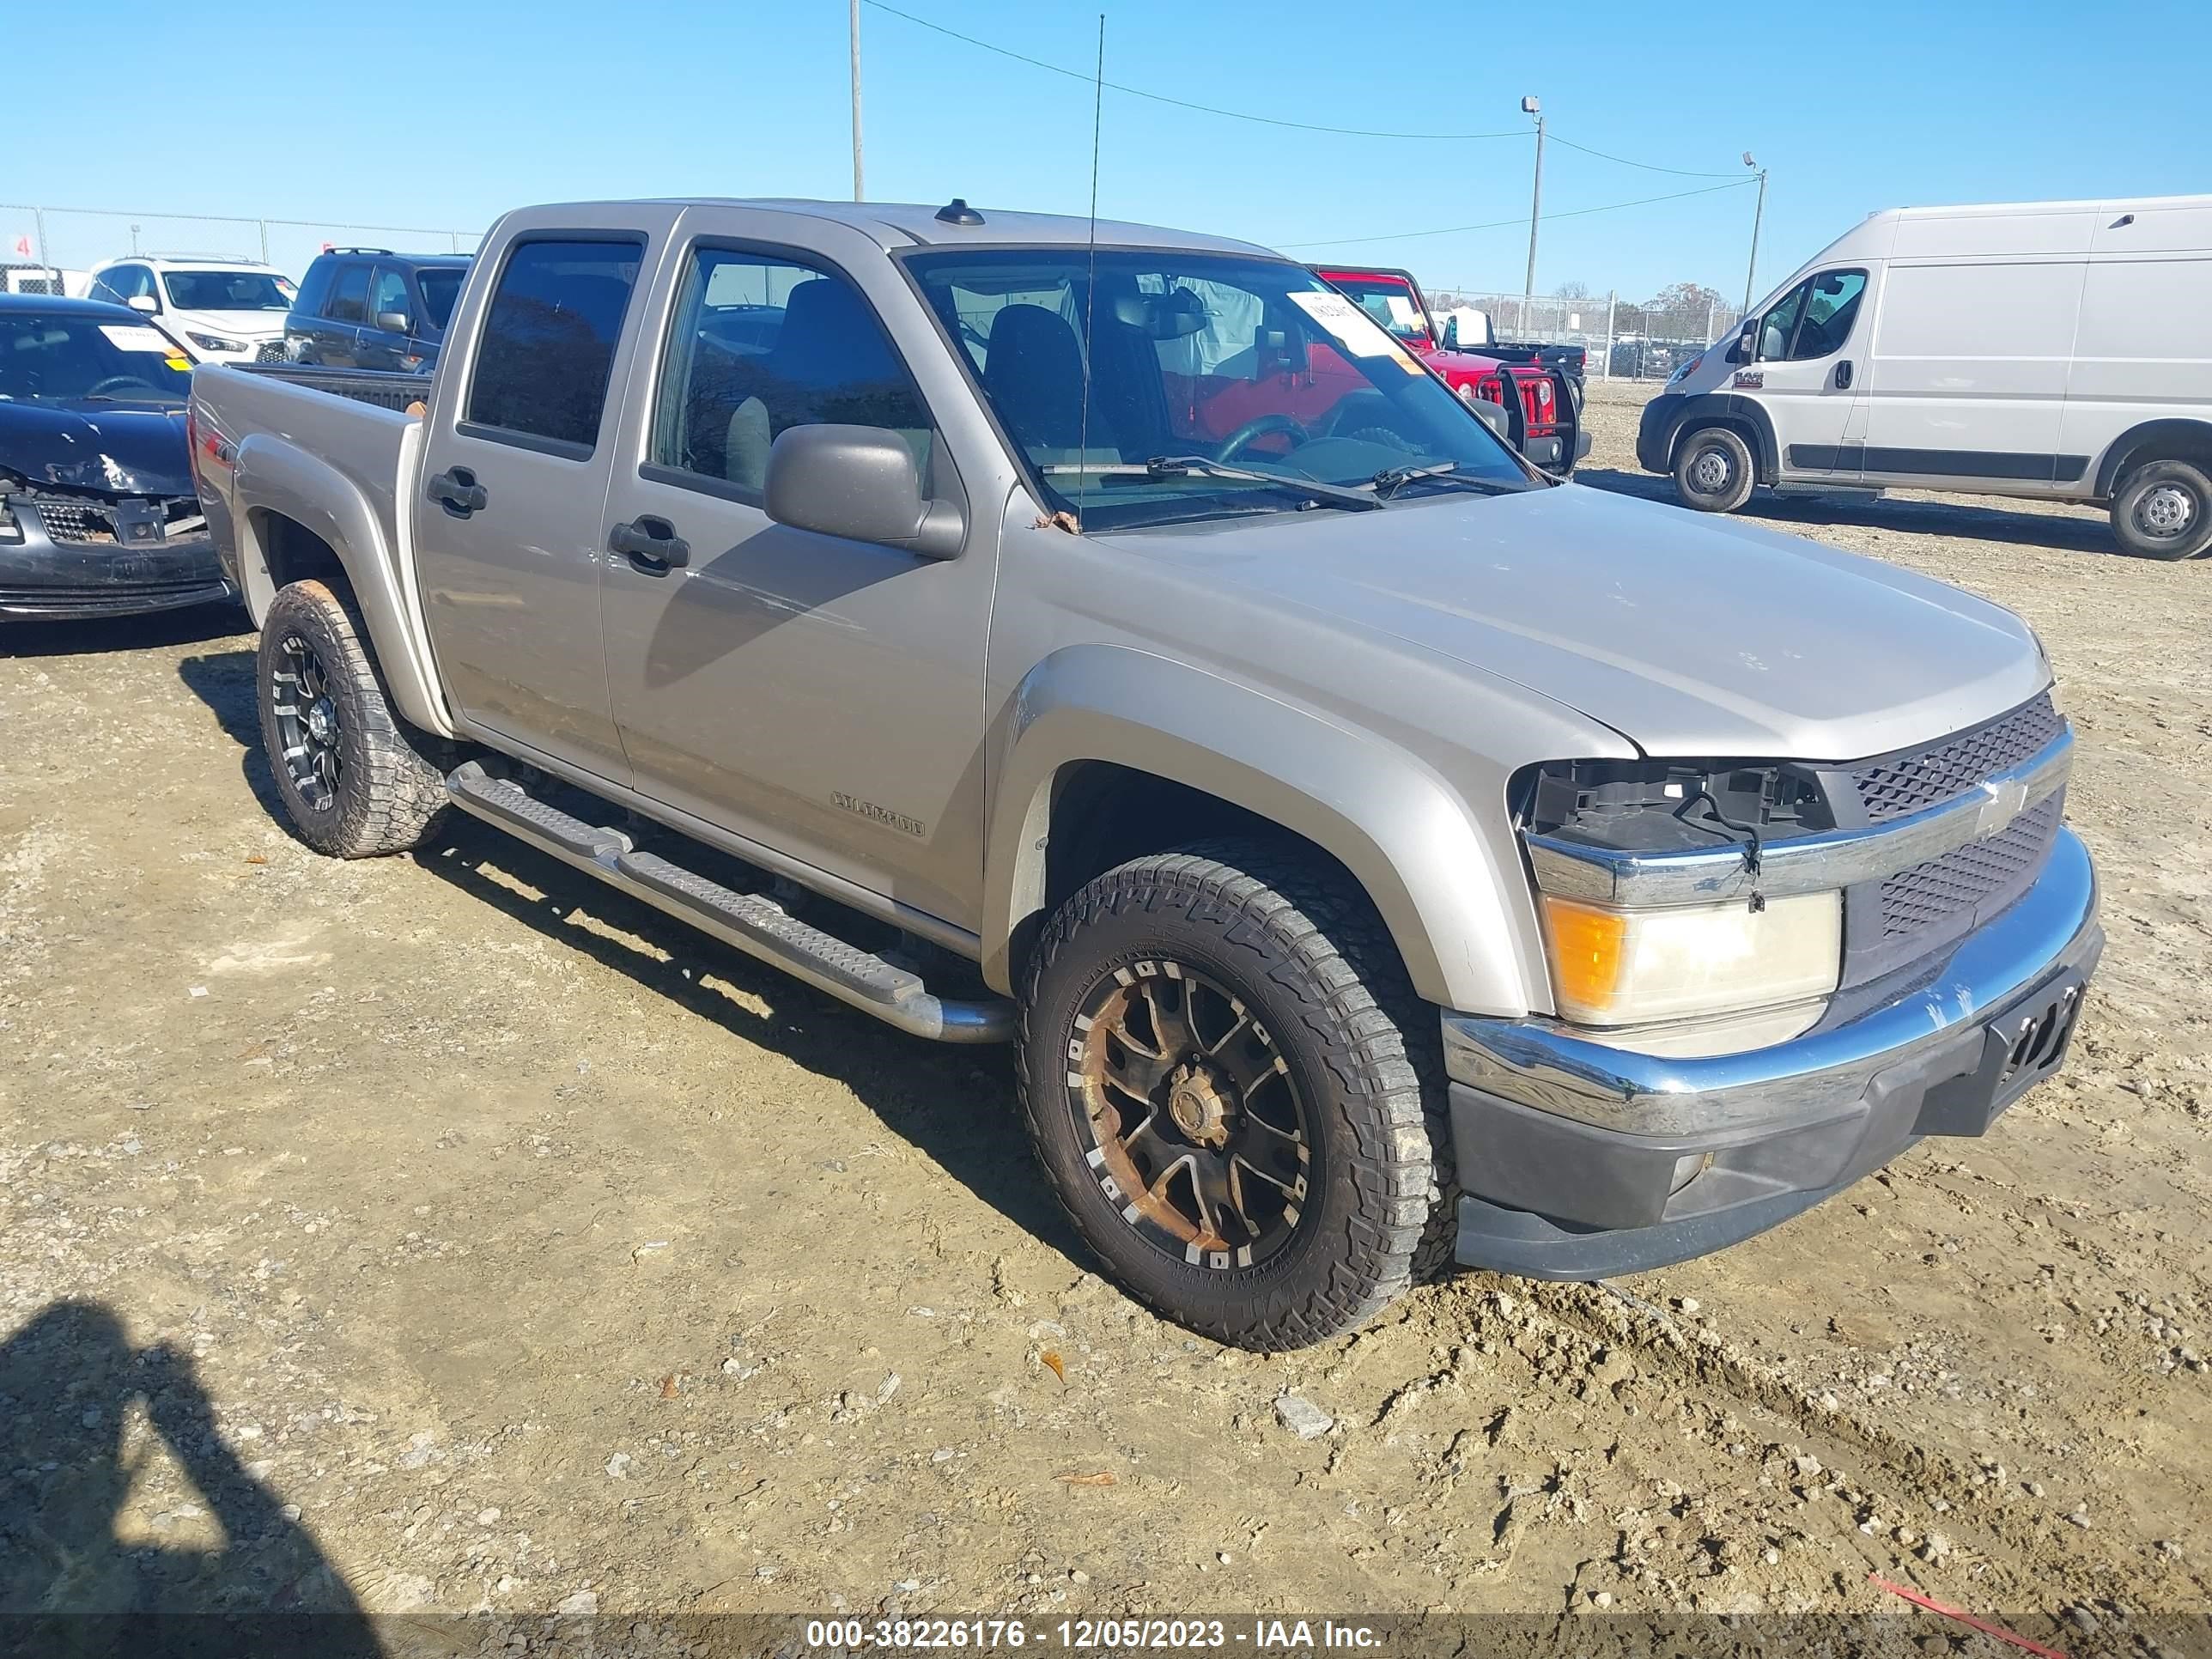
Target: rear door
[(1805, 371), (514, 478)]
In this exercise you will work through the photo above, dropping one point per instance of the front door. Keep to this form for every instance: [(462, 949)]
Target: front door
[(514, 482), (1806, 374), (822, 695)]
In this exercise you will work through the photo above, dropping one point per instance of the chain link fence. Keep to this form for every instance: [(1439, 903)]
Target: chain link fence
[(37, 243), (1624, 340)]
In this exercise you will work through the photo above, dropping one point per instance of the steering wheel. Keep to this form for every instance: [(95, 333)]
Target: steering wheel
[(99, 386), (1259, 427)]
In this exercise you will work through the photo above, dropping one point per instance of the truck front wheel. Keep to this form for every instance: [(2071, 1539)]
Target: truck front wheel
[(1220, 1071), (1713, 470), (352, 779)]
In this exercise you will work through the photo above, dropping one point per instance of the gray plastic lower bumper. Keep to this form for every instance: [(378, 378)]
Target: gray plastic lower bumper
[(1581, 1160)]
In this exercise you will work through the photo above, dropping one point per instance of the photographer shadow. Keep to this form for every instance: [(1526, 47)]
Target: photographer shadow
[(82, 1414)]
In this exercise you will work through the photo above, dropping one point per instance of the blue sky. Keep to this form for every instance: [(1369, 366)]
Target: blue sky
[(289, 111)]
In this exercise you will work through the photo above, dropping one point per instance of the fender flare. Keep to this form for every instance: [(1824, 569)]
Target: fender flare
[(279, 477), (1401, 831), (2193, 434), (1729, 409)]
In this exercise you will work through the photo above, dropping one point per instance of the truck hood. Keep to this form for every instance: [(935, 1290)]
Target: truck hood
[(1462, 363), (1690, 635), (121, 449)]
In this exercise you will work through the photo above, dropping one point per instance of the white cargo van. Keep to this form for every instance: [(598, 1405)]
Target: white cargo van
[(2057, 349)]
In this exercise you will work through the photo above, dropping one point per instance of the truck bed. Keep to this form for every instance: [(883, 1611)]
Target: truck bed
[(385, 389)]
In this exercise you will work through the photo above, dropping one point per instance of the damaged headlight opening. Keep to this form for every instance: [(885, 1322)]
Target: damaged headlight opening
[(1722, 970)]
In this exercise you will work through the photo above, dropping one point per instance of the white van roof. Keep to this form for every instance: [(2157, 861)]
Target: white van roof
[(2140, 224)]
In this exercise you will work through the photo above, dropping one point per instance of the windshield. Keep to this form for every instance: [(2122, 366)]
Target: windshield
[(440, 286), (1389, 300), (47, 357), (1244, 362), (227, 290)]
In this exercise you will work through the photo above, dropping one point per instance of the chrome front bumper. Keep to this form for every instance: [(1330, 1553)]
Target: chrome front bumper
[(1583, 1160)]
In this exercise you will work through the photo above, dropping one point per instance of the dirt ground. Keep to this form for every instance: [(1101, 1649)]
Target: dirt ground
[(444, 1234)]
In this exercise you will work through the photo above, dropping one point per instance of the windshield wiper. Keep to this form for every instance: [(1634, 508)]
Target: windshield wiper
[(1197, 466), (1391, 479)]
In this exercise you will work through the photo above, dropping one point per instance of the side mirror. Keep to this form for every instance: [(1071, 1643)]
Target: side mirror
[(1493, 416), (1746, 349), (144, 302), (860, 482), (394, 322)]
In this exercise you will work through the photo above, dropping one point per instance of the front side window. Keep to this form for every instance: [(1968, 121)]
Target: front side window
[(1814, 319), (549, 338), (50, 357), (227, 290), (759, 344), (349, 297), (1237, 361), (388, 293)]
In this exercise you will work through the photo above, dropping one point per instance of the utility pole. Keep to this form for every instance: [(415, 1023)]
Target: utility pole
[(858, 194), (1534, 106), (1758, 214)]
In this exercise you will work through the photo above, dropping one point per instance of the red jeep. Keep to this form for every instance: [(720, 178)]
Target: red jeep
[(1542, 415)]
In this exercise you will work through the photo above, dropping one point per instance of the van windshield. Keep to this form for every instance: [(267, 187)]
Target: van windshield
[(1241, 361)]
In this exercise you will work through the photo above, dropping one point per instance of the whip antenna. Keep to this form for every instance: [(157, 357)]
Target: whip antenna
[(1090, 287)]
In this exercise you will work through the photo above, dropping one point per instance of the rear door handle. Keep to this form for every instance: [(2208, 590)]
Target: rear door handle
[(1844, 374), (458, 491), (651, 545)]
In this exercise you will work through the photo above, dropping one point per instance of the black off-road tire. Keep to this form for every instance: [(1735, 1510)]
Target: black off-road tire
[(1304, 949), (1714, 471), (388, 790), (2164, 511)]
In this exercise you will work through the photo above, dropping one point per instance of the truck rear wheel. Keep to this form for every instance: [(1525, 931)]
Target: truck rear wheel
[(2164, 511), (1218, 1066), (353, 779), (1713, 470)]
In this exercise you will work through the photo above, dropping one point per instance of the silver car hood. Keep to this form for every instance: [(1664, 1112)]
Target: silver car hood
[(1690, 635)]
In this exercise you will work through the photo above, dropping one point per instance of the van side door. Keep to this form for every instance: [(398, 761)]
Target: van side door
[(508, 508), (1966, 380), (1804, 370)]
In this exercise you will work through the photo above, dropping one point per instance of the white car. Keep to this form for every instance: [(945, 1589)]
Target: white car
[(2059, 349), (226, 310)]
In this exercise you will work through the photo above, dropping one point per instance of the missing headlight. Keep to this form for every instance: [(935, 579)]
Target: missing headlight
[(1668, 806)]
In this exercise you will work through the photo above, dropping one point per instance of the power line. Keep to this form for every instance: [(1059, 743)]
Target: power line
[(1649, 167), (1182, 103), (1499, 224)]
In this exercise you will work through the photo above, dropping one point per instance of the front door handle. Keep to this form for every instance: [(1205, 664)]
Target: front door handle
[(458, 491), (1844, 374), (651, 545)]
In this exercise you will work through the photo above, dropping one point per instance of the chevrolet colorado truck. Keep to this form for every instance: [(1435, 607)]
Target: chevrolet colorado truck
[(1540, 386), (1382, 852)]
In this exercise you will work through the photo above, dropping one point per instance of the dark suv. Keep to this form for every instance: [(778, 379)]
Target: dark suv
[(368, 307)]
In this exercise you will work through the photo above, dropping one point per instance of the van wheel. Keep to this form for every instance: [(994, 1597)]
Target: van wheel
[(355, 780), (1713, 470), (1218, 1068), (2164, 511)]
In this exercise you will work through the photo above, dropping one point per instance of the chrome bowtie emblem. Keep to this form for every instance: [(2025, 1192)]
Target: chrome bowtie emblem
[(2007, 799)]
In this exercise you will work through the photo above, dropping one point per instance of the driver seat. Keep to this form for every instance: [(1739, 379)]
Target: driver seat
[(1033, 373)]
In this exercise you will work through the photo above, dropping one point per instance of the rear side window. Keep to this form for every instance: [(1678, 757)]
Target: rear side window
[(549, 342), (349, 297)]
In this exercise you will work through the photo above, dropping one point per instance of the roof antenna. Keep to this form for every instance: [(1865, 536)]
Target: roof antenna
[(1090, 291)]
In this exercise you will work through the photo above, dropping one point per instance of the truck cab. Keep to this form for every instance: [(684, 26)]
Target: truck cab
[(1541, 406)]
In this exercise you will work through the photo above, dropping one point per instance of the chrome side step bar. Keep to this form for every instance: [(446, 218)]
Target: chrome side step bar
[(752, 923)]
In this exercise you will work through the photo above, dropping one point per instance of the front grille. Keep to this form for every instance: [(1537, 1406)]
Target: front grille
[(1891, 788), (68, 522), (1980, 878)]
